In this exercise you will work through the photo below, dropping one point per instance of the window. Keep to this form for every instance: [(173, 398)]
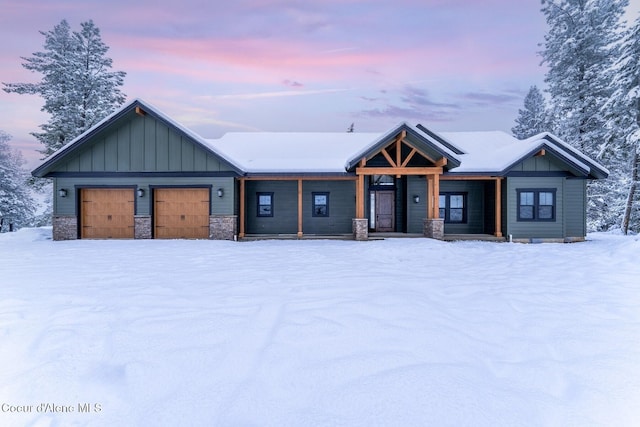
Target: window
[(320, 204), (383, 180), (537, 205), (265, 204), (453, 207)]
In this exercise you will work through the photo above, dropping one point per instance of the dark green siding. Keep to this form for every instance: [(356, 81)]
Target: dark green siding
[(285, 207), (219, 205), (342, 207), (142, 144), (575, 196), (489, 207), (416, 212), (475, 206)]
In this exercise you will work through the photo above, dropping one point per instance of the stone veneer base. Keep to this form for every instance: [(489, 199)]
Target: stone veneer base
[(223, 227), (142, 227), (360, 229), (65, 227), (434, 228)]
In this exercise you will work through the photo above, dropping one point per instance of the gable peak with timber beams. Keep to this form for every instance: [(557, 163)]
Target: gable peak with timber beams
[(404, 150)]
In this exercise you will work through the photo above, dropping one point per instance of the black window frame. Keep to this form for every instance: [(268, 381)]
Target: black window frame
[(314, 210), (447, 208), (259, 213), (536, 204)]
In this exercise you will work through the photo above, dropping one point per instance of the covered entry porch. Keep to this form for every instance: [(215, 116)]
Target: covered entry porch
[(403, 186)]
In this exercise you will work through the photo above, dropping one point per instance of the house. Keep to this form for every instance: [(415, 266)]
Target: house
[(139, 174)]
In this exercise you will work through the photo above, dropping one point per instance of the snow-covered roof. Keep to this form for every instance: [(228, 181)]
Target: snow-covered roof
[(496, 152), (292, 152), (488, 151), (492, 152)]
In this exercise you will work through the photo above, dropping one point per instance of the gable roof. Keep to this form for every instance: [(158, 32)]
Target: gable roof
[(596, 169), (496, 153), (79, 142), (422, 141)]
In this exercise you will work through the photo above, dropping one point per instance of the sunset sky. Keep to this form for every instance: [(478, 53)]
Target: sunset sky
[(286, 65)]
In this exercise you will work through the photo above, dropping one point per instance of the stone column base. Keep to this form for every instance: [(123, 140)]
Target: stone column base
[(223, 227), (65, 227), (142, 227), (434, 228), (360, 228)]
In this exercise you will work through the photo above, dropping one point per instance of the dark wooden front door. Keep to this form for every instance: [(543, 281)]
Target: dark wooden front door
[(385, 211)]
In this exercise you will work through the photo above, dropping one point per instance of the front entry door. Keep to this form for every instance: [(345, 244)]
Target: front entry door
[(385, 211)]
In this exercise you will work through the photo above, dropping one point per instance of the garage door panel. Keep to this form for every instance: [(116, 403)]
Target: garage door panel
[(107, 213), (181, 213)]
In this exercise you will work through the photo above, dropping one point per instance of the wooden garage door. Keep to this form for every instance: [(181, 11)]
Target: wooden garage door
[(181, 213), (107, 213)]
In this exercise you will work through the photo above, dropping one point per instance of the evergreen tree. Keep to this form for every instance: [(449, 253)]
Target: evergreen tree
[(579, 49), (16, 204), (533, 119), (77, 87), (622, 147)]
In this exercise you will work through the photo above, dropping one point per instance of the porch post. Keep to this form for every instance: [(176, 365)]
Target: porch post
[(360, 197), (498, 207), (299, 208), (242, 208), (436, 196), (433, 225), (430, 196), (360, 224)]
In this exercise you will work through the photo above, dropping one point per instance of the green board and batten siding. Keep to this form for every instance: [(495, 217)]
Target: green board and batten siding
[(142, 144)]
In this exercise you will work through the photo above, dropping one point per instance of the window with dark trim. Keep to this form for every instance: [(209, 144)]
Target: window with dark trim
[(537, 204), (320, 203), (453, 207), (265, 204)]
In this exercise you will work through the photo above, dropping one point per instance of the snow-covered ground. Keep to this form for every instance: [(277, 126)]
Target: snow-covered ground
[(401, 332)]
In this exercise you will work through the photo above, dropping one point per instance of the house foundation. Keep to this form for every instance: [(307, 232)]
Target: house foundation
[(434, 228), (223, 227), (65, 227)]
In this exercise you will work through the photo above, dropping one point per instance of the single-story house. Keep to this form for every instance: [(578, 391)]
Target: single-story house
[(140, 174)]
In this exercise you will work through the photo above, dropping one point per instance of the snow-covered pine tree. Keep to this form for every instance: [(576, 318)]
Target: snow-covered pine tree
[(77, 85), (17, 207), (622, 147), (533, 119), (579, 48)]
